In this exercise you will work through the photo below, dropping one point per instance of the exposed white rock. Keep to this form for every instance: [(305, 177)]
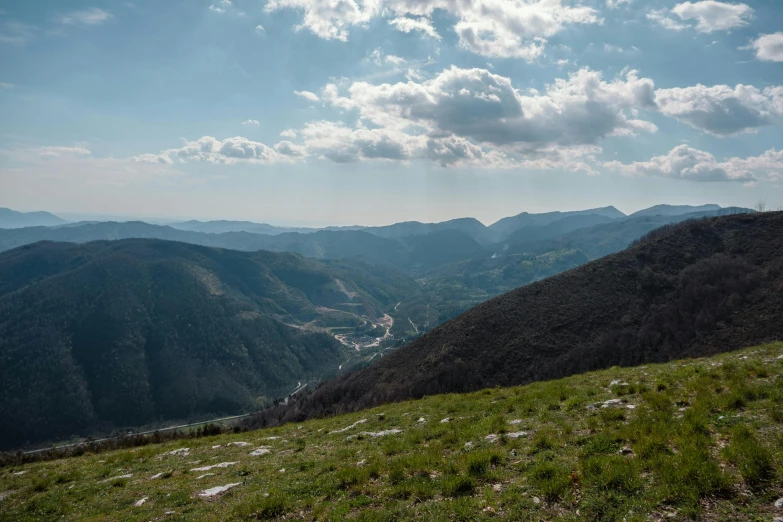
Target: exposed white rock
[(158, 475), (127, 476), (630, 406), (181, 451), (17, 473), (779, 503), (343, 430), (491, 437), (140, 502), (421, 419), (217, 490), (516, 421), (205, 475), (517, 434), (446, 420), (611, 402), (214, 466), (260, 451), (240, 443), (618, 383), (216, 446), (375, 434)]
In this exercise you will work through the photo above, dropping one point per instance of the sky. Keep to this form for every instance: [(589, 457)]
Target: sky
[(338, 112)]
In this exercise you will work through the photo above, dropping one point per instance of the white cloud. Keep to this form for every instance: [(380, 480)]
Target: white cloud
[(6, 85), (260, 29), (502, 28), (221, 7), (394, 60), (341, 144), (614, 4), (329, 19), (710, 16), (227, 151), (406, 25), (660, 17), (414, 75), (379, 58), (288, 133), (307, 95), (722, 110), (684, 162), (92, 16), (769, 47), (486, 108), (251, 122), (16, 33), (56, 152), (336, 142), (714, 16)]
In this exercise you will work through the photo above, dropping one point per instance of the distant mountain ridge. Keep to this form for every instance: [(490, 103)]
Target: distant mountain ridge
[(507, 226), (674, 210), (482, 234), (13, 219)]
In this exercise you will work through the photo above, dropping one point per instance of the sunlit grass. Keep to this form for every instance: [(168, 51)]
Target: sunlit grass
[(688, 440)]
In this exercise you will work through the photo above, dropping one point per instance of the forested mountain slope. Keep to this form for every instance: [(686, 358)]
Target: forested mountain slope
[(698, 288), (128, 332)]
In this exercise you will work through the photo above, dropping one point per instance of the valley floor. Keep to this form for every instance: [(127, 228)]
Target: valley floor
[(697, 439)]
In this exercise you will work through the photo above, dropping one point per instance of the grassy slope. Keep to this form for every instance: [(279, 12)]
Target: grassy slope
[(705, 440)]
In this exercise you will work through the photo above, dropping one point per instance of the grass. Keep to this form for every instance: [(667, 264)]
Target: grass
[(703, 440)]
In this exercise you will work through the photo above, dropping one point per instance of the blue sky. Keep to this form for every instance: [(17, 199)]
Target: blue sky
[(370, 112)]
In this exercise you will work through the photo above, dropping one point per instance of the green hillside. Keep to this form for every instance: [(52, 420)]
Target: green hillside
[(696, 439)]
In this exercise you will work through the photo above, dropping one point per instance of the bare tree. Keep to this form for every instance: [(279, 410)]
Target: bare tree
[(760, 206)]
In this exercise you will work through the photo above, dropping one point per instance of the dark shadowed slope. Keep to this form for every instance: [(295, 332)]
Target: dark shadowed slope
[(128, 332), (700, 288), (13, 219)]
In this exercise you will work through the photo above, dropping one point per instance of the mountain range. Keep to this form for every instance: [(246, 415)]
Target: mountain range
[(131, 323)]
